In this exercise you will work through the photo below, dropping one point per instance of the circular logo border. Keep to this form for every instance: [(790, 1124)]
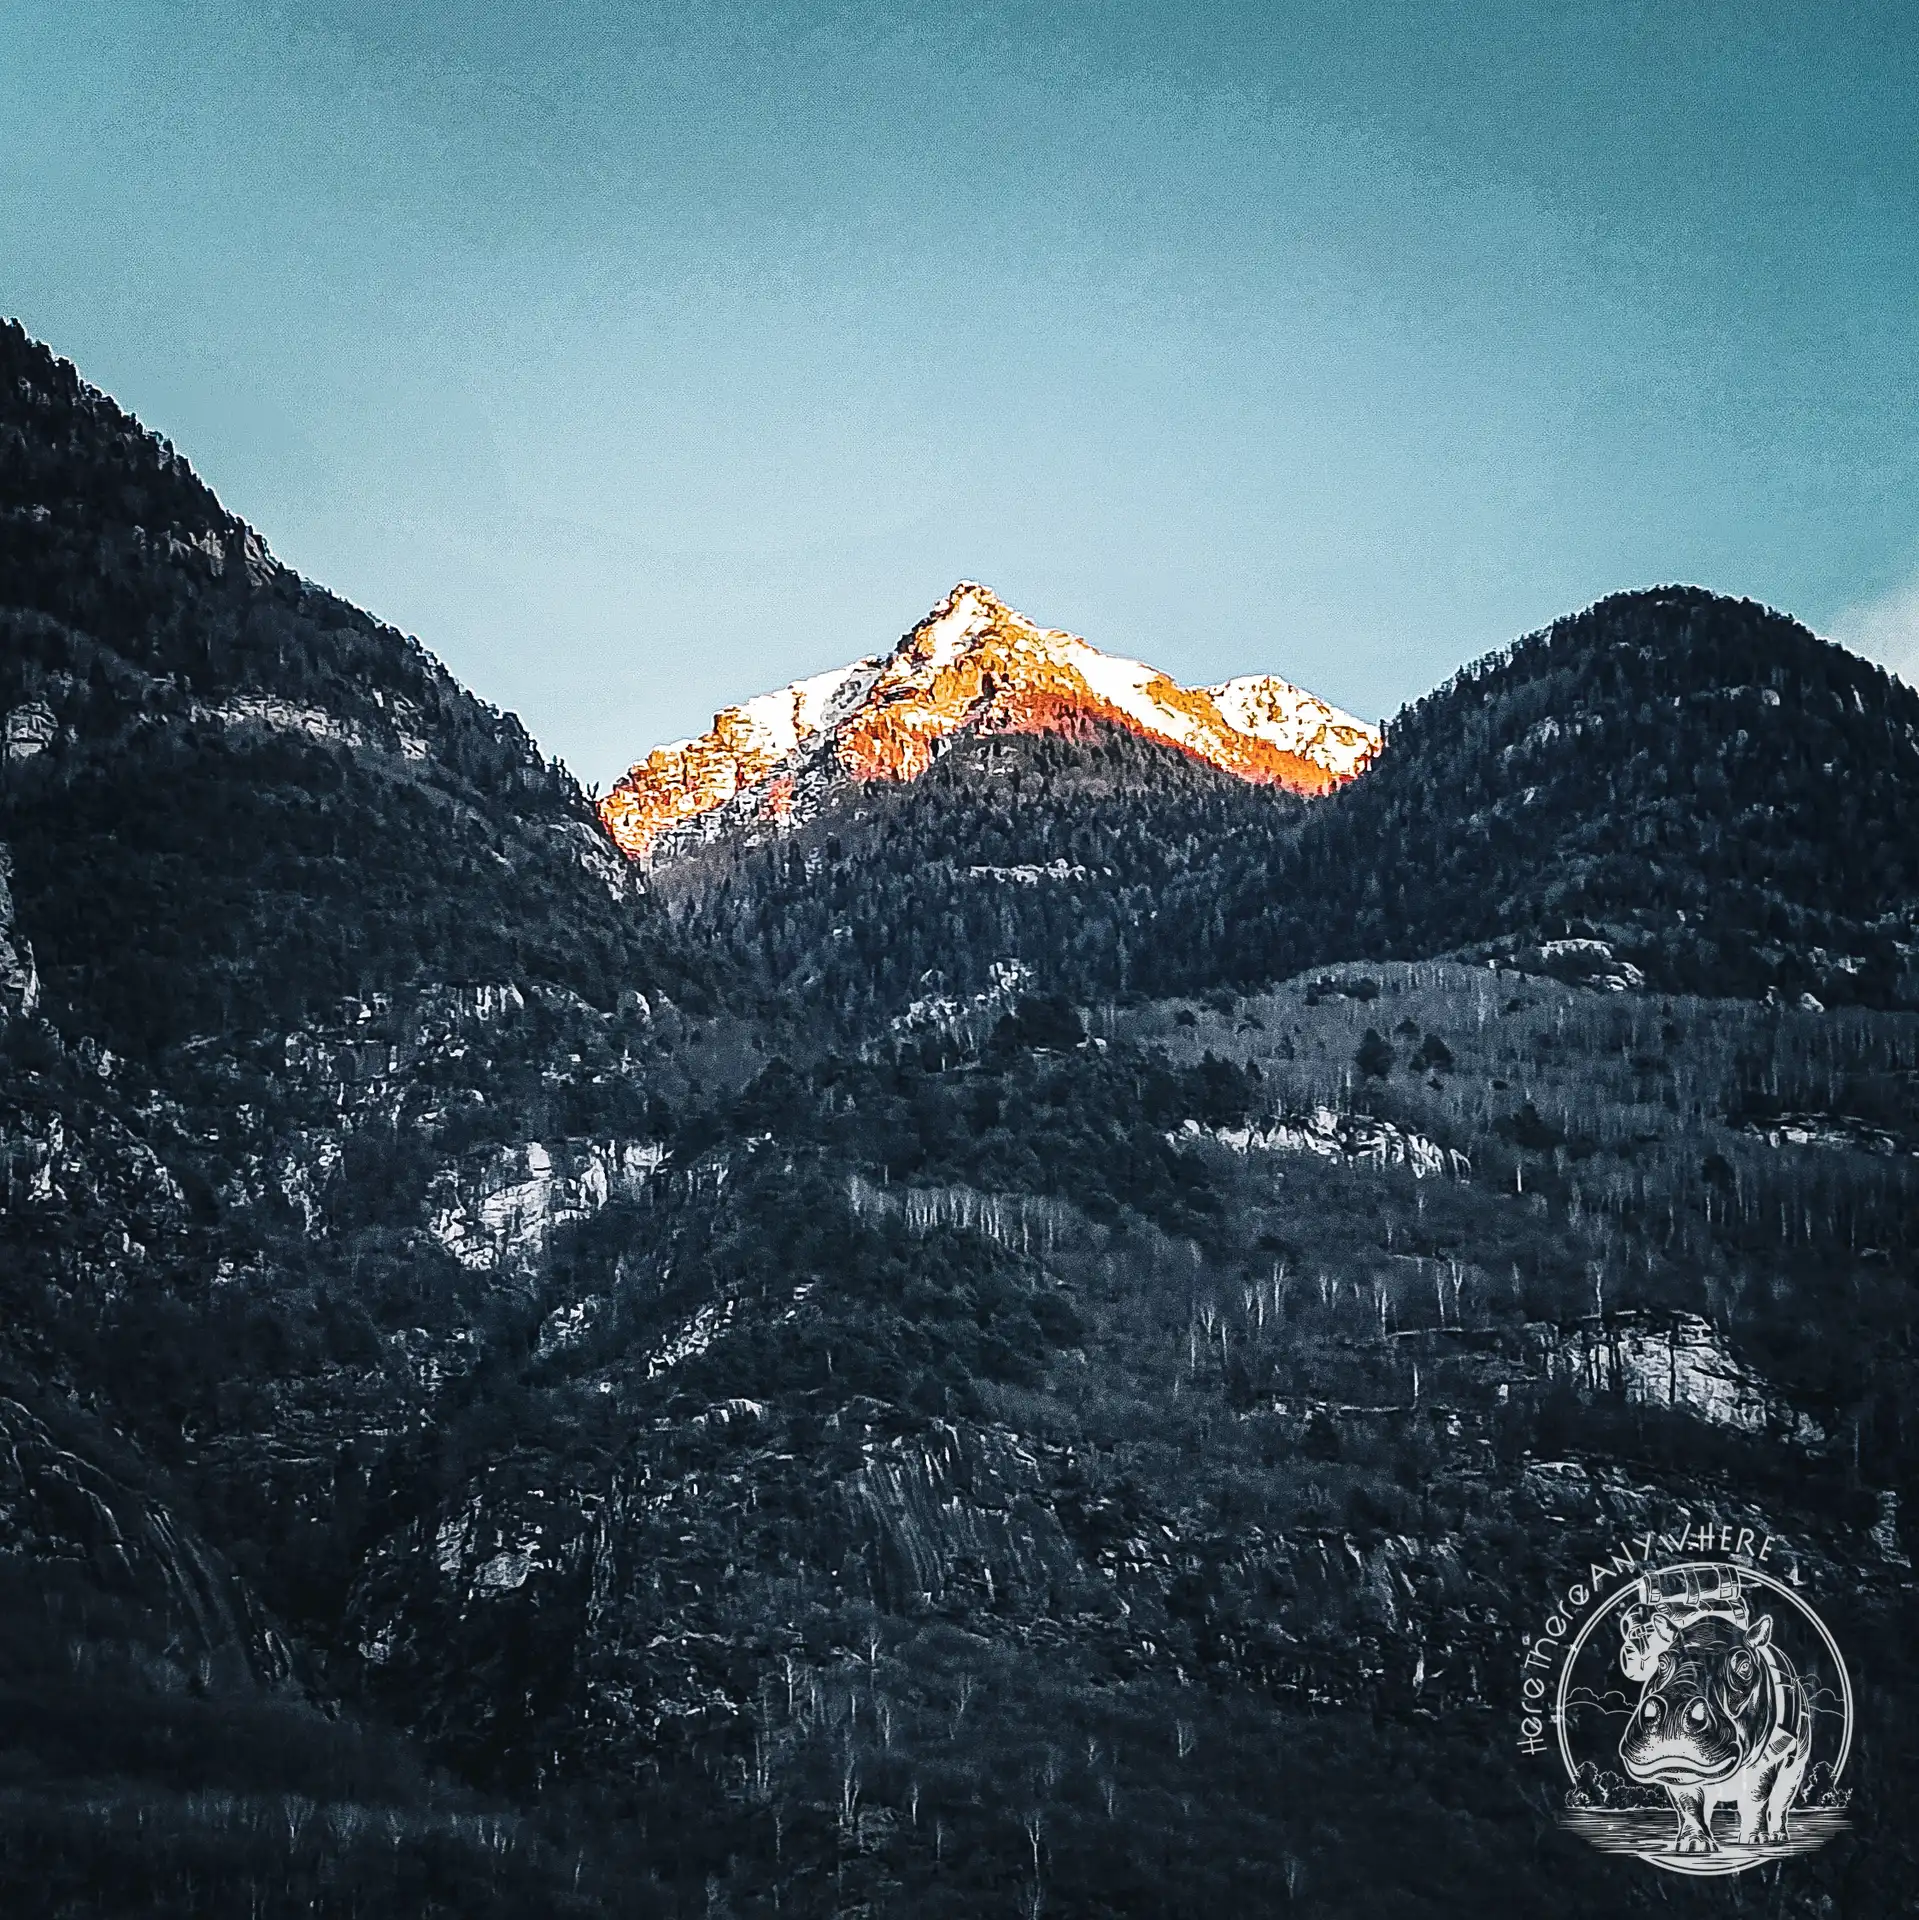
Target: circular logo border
[(1758, 1574)]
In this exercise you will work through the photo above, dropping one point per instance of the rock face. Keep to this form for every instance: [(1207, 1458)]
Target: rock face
[(62, 1513), (1354, 1138), (503, 1209), (19, 978), (972, 665), (1680, 1363)]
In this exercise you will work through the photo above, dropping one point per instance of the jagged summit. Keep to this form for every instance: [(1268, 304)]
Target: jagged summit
[(972, 664)]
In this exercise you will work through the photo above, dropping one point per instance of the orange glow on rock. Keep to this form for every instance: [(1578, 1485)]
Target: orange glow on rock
[(972, 665)]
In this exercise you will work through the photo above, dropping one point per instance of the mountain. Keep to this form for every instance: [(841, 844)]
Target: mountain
[(1049, 856), (1671, 789), (538, 1384), (268, 876), (221, 777), (972, 667)]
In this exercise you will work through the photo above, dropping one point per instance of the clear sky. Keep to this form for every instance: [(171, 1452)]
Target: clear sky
[(640, 358)]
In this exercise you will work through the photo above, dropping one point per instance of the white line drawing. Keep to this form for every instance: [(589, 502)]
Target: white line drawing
[(1728, 1755)]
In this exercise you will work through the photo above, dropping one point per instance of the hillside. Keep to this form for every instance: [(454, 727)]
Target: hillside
[(535, 1385), (1721, 797), (268, 878), (1046, 854), (230, 796)]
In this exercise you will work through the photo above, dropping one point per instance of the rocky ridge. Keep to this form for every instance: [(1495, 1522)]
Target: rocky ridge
[(972, 665)]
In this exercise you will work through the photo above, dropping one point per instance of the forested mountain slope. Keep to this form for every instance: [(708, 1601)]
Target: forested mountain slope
[(229, 795), (1726, 799), (293, 930), (1058, 853), (508, 1409), (1694, 786)]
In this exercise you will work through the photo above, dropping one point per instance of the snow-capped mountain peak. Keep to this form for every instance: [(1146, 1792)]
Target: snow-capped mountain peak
[(972, 664)]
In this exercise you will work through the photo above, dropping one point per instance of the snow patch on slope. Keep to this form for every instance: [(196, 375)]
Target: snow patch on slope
[(1295, 721), (782, 722), (941, 641), (1129, 685)]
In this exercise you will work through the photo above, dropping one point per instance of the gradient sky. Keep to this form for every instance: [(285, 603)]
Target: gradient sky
[(639, 358)]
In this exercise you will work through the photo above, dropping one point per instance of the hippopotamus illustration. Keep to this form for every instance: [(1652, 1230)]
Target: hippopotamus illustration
[(1722, 1717)]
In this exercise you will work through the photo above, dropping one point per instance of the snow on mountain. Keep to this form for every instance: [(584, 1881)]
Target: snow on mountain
[(1296, 722), (973, 664)]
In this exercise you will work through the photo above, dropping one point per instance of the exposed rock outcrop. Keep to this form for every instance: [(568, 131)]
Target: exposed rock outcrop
[(1357, 1138), (19, 978), (500, 1209)]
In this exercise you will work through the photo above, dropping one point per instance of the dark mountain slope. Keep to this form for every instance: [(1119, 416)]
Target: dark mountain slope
[(301, 946), (1056, 851), (276, 881), (1729, 801), (1090, 1434), (233, 799)]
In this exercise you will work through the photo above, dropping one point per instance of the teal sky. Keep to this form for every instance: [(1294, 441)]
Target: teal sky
[(640, 358)]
